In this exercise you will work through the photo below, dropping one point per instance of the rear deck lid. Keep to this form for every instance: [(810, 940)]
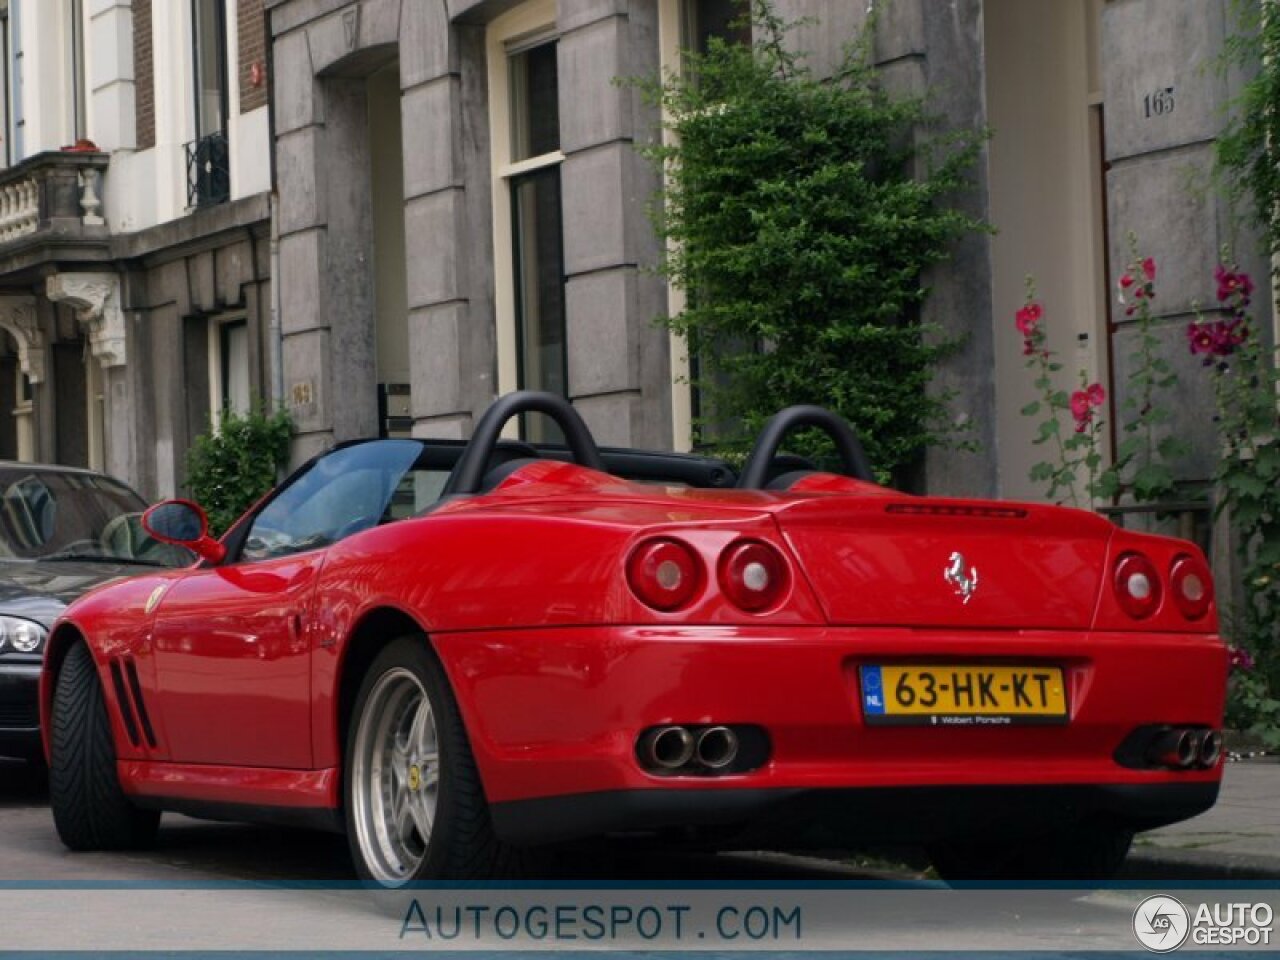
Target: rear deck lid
[(932, 562)]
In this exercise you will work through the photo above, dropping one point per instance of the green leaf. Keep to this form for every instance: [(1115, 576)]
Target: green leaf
[(1031, 409)]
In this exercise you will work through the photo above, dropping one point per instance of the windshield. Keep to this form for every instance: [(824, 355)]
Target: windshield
[(47, 515)]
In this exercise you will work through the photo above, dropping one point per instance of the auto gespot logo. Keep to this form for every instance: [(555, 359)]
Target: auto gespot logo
[(1162, 924)]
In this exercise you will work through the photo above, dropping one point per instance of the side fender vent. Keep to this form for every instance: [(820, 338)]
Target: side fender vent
[(125, 703), (140, 702), (133, 707)]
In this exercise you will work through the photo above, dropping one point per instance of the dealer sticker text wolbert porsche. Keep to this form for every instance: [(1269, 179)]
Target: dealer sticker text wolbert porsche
[(1162, 924)]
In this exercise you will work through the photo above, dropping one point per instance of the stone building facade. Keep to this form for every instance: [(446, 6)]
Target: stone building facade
[(135, 219), (458, 179), (450, 197)]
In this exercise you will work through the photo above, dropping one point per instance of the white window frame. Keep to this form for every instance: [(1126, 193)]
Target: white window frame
[(216, 385), (96, 414), (526, 26)]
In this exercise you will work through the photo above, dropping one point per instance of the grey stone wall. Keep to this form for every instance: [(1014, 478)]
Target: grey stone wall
[(935, 50), (619, 373), (175, 277), (1158, 186), (619, 359)]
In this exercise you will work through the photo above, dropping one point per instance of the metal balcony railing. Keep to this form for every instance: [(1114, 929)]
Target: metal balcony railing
[(208, 170)]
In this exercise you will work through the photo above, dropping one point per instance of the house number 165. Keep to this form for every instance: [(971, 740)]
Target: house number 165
[(1159, 103)]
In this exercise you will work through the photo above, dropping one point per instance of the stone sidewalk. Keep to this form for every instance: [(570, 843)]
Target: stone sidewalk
[(1239, 839)]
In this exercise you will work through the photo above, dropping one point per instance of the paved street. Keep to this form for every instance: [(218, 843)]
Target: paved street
[(1238, 839), (188, 870)]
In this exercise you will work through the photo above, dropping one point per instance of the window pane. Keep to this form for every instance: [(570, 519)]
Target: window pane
[(539, 263), (234, 345), (716, 18), (344, 492), (210, 50), (535, 103)]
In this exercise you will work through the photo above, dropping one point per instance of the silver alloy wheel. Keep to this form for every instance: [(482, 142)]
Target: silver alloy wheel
[(395, 777)]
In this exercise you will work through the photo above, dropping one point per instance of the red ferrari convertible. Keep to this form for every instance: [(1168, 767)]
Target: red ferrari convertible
[(455, 653)]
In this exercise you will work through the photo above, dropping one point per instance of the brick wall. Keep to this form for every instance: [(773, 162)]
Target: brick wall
[(251, 30), (144, 75)]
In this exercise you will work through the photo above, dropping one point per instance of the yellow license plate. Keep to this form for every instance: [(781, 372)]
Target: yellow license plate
[(944, 694)]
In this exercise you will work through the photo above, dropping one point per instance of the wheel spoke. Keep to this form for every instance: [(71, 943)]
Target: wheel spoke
[(430, 765), (424, 729), (405, 820), (421, 818)]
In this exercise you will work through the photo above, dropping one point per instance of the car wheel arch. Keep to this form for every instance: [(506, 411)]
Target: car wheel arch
[(61, 640), (375, 629)]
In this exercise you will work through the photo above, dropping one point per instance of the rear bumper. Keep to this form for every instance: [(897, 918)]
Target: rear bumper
[(555, 713), (814, 819)]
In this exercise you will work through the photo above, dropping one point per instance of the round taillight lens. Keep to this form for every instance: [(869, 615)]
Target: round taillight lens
[(753, 575), (1192, 586), (1137, 585), (664, 574)]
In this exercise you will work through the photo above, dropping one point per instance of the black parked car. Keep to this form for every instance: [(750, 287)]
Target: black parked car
[(62, 531)]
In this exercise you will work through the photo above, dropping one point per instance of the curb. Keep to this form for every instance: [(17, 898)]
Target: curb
[(1171, 863)]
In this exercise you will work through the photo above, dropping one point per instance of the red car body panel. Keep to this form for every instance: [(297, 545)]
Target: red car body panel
[(557, 666)]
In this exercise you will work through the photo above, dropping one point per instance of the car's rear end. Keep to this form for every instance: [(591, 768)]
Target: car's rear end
[(857, 667)]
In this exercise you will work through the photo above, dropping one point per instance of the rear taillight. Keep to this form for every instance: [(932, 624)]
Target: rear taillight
[(753, 575), (1191, 585), (1137, 585), (665, 574)]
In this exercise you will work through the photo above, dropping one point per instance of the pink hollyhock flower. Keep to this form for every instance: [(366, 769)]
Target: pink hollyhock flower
[(1232, 283), (1126, 282), (1241, 659), (1096, 394), (1080, 409), (1149, 268), (1200, 338), (1028, 317)]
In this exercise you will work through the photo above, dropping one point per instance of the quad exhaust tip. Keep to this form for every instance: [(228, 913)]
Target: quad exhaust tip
[(667, 748), (674, 748), (1184, 748), (717, 747)]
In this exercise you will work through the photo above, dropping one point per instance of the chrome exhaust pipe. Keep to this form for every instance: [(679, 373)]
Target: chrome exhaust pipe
[(717, 747), (1175, 748), (666, 748), (1211, 749)]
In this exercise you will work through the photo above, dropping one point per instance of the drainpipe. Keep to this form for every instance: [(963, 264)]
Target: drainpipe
[(276, 331)]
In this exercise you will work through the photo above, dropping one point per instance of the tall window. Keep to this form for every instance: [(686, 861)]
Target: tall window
[(79, 89), (527, 206), (537, 241), (229, 366), (6, 85), (689, 26), (209, 38), (15, 61), (704, 19), (208, 167)]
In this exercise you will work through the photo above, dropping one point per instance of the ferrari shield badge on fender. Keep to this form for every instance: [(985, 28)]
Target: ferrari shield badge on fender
[(966, 584), (154, 599)]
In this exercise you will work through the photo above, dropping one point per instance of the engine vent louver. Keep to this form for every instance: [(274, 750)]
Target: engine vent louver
[(125, 702), (133, 707), (140, 702)]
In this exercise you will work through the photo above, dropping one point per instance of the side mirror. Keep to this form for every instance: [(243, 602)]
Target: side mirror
[(182, 523)]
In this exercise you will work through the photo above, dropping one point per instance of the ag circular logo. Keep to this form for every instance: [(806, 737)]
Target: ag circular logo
[(1161, 924)]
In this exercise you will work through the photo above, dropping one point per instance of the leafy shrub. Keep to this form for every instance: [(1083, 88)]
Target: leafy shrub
[(230, 469), (796, 226)]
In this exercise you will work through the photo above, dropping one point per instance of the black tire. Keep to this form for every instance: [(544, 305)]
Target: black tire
[(90, 810), (1087, 853), (462, 844)]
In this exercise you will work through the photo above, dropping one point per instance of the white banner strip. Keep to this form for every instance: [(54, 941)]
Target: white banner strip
[(248, 918)]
